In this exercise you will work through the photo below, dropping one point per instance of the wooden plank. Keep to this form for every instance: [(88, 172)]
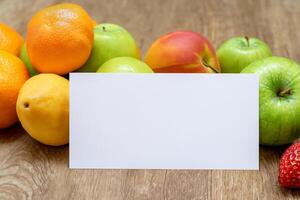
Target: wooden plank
[(253, 184)]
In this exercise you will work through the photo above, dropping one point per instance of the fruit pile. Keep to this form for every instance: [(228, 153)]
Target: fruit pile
[(63, 38)]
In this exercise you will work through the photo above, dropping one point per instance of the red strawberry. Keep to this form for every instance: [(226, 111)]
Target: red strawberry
[(289, 167)]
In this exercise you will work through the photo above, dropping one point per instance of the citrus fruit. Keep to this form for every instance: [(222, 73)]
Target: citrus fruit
[(13, 75), (25, 59), (43, 108), (94, 22), (10, 40), (59, 38)]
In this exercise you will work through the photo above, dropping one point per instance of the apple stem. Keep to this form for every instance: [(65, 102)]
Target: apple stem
[(247, 39), (210, 67), (285, 92), (103, 28)]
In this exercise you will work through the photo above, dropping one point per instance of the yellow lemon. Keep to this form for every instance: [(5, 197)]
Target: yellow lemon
[(43, 108)]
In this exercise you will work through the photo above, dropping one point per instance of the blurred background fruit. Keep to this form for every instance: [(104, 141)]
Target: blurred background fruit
[(10, 40), (43, 108), (182, 52), (125, 65), (59, 38), (13, 75), (110, 41), (238, 52), (24, 57)]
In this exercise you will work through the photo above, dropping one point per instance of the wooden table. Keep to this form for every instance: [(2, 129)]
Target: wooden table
[(29, 170)]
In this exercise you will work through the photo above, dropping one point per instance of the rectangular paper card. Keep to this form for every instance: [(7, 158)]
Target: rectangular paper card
[(164, 121)]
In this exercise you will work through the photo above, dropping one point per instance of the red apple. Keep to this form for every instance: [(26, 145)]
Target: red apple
[(182, 52)]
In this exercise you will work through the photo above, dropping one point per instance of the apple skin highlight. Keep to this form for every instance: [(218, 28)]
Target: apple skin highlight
[(182, 52)]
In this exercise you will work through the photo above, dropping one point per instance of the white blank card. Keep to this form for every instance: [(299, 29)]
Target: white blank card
[(164, 121)]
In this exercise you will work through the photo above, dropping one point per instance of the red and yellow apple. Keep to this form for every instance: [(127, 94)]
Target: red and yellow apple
[(182, 52)]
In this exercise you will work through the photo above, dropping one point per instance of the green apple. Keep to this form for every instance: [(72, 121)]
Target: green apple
[(279, 99), (110, 41), (125, 65), (238, 52), (24, 57)]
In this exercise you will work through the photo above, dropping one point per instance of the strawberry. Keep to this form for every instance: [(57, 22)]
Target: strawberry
[(289, 167)]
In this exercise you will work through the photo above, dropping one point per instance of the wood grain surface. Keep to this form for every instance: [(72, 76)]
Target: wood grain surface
[(29, 170)]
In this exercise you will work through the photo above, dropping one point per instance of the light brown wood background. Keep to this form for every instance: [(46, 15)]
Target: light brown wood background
[(29, 170)]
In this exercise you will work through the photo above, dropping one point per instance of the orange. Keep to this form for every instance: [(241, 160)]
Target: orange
[(59, 38), (13, 75), (94, 23), (10, 40)]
